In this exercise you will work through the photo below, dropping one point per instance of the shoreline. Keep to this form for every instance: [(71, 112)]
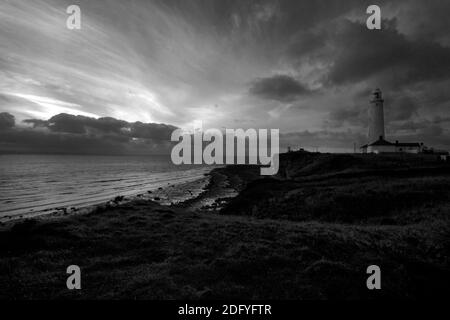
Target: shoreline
[(225, 184), (210, 193), (169, 194)]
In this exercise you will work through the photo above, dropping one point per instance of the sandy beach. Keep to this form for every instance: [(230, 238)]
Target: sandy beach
[(163, 187)]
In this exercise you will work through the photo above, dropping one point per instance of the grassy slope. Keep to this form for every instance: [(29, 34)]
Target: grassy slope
[(143, 250)]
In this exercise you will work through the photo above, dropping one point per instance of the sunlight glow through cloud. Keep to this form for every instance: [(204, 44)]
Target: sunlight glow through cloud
[(292, 65), (49, 107)]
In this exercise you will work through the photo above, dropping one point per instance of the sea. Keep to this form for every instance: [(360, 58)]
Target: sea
[(36, 184)]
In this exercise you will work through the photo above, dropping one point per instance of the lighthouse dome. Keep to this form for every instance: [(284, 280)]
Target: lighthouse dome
[(376, 95)]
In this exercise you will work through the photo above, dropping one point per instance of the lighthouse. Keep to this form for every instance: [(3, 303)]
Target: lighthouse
[(376, 117), (377, 142)]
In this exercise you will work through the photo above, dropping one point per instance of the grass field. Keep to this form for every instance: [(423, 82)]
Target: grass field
[(309, 233)]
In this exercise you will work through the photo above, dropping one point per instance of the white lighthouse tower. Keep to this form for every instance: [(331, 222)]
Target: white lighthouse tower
[(376, 117), (377, 142)]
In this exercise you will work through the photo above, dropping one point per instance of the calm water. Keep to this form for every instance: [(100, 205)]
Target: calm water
[(37, 183)]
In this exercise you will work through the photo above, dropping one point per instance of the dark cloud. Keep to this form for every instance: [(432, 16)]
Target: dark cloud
[(65, 133), (439, 119), (433, 131), (432, 135), (401, 107), (274, 20), (361, 53), (279, 87), (7, 120), (342, 116), (427, 20), (427, 127), (398, 112), (307, 43), (80, 124), (67, 123), (175, 61), (153, 130)]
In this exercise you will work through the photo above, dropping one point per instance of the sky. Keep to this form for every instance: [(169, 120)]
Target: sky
[(138, 69)]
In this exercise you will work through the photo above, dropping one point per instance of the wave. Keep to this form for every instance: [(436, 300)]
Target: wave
[(29, 189)]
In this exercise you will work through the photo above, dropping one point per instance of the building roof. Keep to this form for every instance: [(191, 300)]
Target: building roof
[(381, 142), (407, 144)]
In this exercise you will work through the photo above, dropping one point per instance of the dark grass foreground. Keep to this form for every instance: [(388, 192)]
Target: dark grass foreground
[(308, 234)]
